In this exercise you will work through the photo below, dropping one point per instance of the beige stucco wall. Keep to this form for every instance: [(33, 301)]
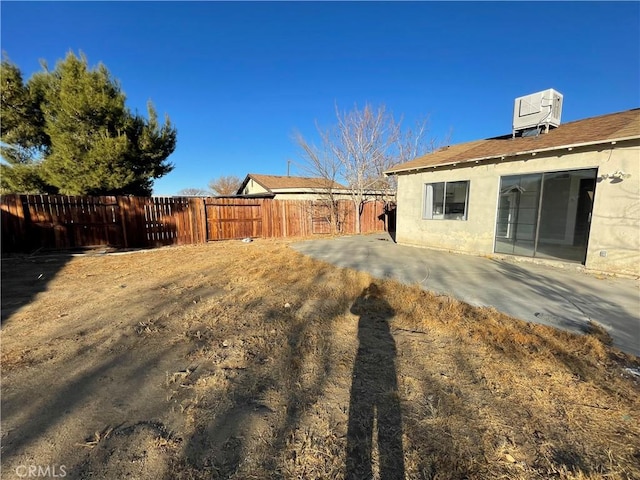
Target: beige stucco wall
[(615, 225), (308, 196), (253, 187)]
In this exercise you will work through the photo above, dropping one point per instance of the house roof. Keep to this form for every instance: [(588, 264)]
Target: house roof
[(591, 131), (273, 183)]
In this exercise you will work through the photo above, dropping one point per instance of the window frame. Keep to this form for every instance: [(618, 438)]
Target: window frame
[(429, 203)]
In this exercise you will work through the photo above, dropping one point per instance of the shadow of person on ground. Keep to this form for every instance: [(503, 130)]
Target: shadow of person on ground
[(374, 393)]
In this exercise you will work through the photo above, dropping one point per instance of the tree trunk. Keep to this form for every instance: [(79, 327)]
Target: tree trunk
[(357, 206)]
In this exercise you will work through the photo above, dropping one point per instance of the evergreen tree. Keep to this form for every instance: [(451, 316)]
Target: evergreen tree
[(77, 135), (21, 133)]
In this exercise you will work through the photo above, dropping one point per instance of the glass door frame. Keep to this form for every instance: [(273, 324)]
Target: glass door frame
[(510, 236)]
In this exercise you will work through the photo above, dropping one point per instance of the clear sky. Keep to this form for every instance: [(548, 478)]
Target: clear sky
[(238, 78)]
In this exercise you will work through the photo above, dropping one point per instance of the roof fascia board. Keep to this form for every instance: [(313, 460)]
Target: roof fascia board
[(243, 184)]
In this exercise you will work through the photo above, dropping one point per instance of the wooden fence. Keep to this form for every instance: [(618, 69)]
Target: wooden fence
[(32, 222)]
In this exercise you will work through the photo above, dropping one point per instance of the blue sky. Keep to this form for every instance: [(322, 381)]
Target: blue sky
[(238, 78)]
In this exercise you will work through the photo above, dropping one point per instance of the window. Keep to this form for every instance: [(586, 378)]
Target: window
[(446, 201)]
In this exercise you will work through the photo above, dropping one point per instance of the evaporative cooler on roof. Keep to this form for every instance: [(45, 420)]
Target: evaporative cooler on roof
[(537, 110)]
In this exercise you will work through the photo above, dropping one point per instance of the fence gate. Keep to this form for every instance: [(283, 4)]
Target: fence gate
[(229, 219)]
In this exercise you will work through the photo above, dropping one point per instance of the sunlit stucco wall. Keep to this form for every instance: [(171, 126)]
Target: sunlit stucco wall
[(253, 187), (615, 225)]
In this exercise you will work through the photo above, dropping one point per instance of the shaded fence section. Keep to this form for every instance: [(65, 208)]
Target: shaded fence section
[(32, 222)]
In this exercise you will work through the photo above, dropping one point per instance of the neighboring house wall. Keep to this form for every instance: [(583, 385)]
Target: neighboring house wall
[(320, 196), (302, 188), (254, 187), (297, 193), (615, 223)]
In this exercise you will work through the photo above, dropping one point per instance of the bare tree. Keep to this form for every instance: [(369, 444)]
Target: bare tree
[(225, 185), (362, 142), (321, 164), (360, 148), (194, 192)]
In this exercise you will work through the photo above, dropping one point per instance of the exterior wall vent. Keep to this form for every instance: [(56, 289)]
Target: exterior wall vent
[(541, 109)]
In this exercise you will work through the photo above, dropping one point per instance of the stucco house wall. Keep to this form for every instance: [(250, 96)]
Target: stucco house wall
[(295, 195), (614, 238), (615, 224), (252, 187), (290, 188)]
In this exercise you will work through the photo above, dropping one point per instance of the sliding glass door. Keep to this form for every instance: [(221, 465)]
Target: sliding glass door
[(545, 215)]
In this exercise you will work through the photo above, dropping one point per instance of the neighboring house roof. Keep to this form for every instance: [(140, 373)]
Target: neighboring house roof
[(591, 131), (273, 183)]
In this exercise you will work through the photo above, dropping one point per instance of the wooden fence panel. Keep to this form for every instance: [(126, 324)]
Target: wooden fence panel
[(229, 218), (346, 217), (184, 230), (132, 220), (59, 222), (174, 221), (159, 223), (321, 217), (12, 223), (373, 217), (198, 220), (272, 225), (291, 219), (60, 229), (31, 222), (36, 220)]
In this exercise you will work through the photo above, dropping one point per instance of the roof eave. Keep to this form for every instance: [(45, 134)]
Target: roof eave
[(250, 176), (260, 183), (515, 154)]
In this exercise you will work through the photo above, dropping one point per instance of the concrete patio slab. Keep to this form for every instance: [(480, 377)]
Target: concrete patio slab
[(564, 297)]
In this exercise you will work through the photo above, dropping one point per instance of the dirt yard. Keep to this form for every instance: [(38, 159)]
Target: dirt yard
[(250, 361)]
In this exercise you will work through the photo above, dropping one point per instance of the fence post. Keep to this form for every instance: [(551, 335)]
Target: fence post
[(204, 224)]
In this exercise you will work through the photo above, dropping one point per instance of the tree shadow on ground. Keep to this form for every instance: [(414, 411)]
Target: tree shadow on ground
[(25, 277), (594, 306), (374, 407), (95, 378)]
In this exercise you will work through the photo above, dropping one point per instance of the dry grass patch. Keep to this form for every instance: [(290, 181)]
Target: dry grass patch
[(234, 360)]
